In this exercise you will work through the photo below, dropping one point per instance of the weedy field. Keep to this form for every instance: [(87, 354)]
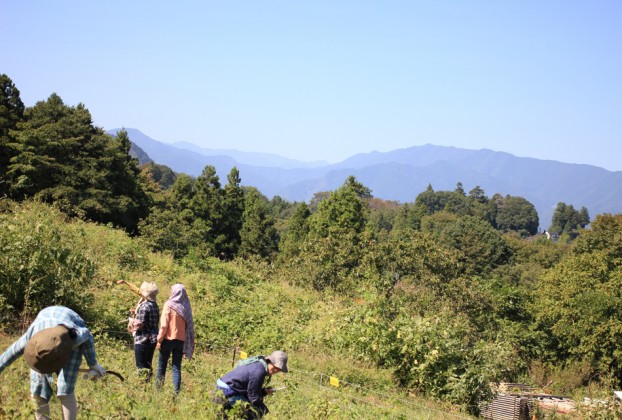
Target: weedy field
[(109, 398), (380, 348), (239, 304)]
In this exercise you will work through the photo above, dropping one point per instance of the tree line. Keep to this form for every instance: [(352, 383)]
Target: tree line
[(52, 152)]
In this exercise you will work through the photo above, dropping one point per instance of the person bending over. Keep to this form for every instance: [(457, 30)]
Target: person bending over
[(54, 343), (245, 383)]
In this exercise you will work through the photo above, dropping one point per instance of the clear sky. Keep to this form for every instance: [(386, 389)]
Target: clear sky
[(323, 80)]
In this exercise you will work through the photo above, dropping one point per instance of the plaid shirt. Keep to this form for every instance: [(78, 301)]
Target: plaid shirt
[(52, 316), (149, 314)]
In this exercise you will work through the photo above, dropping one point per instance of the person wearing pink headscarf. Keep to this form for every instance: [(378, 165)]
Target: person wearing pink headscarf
[(176, 335)]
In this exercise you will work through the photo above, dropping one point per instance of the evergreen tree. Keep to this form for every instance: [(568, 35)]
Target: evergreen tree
[(318, 197), (333, 247), (433, 201), (478, 195), (11, 113), (207, 206), (182, 192), (584, 217), (233, 209), (60, 157), (296, 232), (361, 190), (168, 230), (258, 234), (518, 214), (459, 189), (407, 220), (160, 174), (481, 246), (567, 220)]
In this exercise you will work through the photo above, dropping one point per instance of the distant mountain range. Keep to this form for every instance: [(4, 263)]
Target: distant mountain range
[(402, 174)]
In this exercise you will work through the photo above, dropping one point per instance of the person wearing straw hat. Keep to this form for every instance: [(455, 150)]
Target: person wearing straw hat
[(245, 383), (144, 327), (54, 343), (176, 335)]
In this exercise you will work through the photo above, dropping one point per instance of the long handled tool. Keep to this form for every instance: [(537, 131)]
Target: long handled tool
[(132, 287), (93, 374)]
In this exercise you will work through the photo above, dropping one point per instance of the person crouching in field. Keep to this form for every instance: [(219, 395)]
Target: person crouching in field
[(176, 336), (54, 343), (245, 383), (143, 324)]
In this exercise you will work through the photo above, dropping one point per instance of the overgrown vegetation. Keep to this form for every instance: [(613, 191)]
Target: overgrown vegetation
[(241, 304), (440, 298)]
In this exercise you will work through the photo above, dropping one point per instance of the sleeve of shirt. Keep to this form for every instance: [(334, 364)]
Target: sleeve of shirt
[(13, 352), (87, 346), (163, 323), (255, 391), (141, 313), (141, 316)]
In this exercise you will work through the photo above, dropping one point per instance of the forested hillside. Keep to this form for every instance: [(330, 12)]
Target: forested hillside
[(440, 298)]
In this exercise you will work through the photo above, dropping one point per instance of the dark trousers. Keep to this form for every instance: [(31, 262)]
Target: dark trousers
[(143, 353), (252, 411), (168, 348)]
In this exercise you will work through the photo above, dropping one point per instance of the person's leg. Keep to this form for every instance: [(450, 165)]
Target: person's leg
[(165, 352), (70, 406), (178, 352), (42, 411), (144, 355), (139, 355), (148, 358), (259, 410)]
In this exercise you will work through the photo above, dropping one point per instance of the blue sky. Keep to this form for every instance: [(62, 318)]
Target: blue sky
[(324, 80)]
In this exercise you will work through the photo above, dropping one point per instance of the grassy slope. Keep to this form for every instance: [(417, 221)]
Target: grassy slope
[(109, 398), (239, 304)]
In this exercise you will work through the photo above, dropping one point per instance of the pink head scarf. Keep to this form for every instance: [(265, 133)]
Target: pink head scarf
[(180, 303)]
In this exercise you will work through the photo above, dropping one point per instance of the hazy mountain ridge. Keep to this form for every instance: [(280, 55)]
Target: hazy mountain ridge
[(402, 174), (252, 158)]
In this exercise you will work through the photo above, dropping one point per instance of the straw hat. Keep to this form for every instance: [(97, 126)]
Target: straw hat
[(149, 290)]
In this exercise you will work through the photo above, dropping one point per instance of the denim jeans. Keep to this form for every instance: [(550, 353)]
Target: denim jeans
[(176, 348), (143, 354)]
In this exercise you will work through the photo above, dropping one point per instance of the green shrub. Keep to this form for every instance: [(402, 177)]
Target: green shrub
[(40, 265)]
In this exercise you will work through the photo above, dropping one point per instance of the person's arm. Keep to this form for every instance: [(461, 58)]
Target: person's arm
[(254, 389), (12, 353), (86, 344), (88, 350), (164, 320), (132, 287), (139, 321)]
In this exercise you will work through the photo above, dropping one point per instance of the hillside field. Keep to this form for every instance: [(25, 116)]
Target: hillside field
[(237, 305)]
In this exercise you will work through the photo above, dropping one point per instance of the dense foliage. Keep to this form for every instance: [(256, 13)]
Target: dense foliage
[(56, 155)]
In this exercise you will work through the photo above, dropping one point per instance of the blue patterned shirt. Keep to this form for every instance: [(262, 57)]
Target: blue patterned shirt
[(52, 316)]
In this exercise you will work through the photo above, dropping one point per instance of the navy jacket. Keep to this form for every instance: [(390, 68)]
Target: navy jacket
[(247, 380)]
